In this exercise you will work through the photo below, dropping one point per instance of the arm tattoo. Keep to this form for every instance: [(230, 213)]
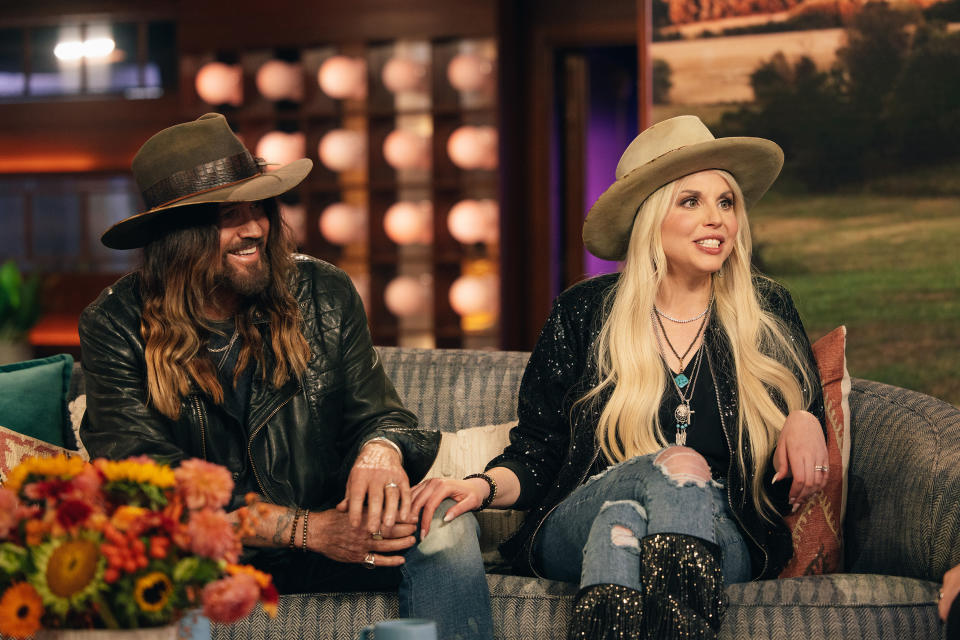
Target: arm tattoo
[(283, 522)]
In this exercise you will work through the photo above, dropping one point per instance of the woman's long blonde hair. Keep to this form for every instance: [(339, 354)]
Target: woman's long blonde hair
[(178, 278), (628, 360)]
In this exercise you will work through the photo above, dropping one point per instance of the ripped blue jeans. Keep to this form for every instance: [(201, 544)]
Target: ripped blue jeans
[(593, 536)]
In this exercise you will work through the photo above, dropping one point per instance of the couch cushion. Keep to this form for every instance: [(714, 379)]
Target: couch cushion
[(817, 527), (812, 608), (33, 398), (450, 389)]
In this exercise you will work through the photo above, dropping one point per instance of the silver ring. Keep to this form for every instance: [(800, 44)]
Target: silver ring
[(369, 561), (378, 535), (391, 485), (821, 467), (940, 595)]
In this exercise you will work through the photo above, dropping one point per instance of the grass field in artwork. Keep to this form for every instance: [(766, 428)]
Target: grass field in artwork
[(888, 267)]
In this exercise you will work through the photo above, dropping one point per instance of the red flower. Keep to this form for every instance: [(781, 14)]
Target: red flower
[(71, 513), (46, 489)]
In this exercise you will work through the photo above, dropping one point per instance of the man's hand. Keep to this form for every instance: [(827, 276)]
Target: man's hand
[(800, 450), (331, 533), (951, 585), (377, 481)]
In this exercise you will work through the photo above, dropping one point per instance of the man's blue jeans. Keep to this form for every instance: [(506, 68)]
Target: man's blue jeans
[(442, 578), (593, 536)]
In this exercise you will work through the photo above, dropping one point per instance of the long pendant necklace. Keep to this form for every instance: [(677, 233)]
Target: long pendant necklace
[(683, 414), (680, 378)]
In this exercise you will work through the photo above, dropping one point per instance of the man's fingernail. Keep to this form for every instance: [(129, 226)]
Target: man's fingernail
[(795, 507), (447, 517)]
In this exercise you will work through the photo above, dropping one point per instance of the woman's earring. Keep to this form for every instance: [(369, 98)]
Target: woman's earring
[(720, 272)]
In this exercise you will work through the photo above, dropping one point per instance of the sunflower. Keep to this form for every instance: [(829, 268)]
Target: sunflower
[(152, 592), (137, 471), (20, 611), (62, 466), (69, 572)]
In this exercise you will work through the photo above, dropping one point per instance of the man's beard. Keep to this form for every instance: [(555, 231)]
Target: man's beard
[(245, 281)]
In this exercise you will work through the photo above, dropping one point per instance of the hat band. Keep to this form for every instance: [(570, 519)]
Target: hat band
[(203, 177)]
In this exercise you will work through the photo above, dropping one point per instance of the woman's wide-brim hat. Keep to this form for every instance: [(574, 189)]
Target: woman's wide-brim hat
[(194, 163), (665, 152)]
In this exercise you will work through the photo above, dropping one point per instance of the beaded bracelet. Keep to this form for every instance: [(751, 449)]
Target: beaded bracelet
[(293, 528), (493, 489), (306, 522)]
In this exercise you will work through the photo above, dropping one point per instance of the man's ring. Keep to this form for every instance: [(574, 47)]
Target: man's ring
[(391, 485), (821, 467), (369, 562), (378, 535)]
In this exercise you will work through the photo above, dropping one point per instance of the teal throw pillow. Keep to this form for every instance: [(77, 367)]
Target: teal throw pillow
[(33, 397)]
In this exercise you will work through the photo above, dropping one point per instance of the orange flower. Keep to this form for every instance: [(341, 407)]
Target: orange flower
[(20, 611), (263, 579), (126, 515)]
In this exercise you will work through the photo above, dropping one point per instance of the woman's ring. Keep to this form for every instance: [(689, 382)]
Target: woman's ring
[(369, 561), (821, 467), (378, 535), (391, 485), (939, 595)]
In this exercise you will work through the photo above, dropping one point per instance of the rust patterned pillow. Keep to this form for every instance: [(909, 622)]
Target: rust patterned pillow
[(14, 447), (818, 526)]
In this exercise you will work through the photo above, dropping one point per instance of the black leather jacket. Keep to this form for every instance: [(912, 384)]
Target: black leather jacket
[(300, 440), (553, 449)]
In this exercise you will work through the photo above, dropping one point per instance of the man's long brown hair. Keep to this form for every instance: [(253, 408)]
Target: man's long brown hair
[(179, 278)]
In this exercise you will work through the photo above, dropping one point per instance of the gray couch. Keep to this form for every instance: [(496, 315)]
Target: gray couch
[(901, 529)]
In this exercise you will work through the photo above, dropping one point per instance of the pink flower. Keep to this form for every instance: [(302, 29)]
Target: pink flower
[(203, 485), (212, 536), (86, 484), (230, 599), (9, 516)]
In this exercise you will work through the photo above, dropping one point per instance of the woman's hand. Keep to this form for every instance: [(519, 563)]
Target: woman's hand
[(377, 479), (951, 585), (800, 450), (469, 495)]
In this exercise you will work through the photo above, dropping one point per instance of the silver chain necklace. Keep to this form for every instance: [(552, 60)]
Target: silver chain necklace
[(693, 319), (225, 350), (683, 414)]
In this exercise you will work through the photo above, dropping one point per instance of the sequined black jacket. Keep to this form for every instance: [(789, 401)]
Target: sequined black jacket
[(300, 440), (553, 449)]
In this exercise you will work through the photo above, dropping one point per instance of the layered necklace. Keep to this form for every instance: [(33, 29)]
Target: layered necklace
[(684, 386)]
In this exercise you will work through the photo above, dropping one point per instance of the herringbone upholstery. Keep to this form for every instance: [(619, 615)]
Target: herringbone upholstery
[(901, 529)]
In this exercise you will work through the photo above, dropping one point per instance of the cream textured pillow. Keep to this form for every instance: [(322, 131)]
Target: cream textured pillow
[(468, 451), (14, 447)]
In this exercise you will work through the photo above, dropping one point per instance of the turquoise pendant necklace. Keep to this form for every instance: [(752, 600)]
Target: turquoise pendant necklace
[(682, 414)]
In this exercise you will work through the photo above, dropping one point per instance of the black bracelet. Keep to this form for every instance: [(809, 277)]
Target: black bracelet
[(493, 489)]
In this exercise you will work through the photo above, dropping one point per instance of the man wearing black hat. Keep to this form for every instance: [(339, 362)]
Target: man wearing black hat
[(224, 345)]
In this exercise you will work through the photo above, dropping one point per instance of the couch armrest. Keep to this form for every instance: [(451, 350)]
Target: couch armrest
[(903, 501)]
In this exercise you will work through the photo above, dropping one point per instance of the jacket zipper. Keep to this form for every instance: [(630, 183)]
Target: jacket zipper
[(533, 536), (726, 436), (202, 419), (253, 434)]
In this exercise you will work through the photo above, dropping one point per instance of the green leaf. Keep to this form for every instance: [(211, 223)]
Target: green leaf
[(11, 282), (13, 558)]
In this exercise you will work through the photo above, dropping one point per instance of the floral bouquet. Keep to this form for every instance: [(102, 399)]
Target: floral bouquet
[(120, 545)]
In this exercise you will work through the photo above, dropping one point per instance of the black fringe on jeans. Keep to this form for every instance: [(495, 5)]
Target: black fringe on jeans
[(682, 596), (607, 612), (682, 587)]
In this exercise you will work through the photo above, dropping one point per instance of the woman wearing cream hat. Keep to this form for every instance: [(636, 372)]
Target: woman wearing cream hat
[(670, 414)]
